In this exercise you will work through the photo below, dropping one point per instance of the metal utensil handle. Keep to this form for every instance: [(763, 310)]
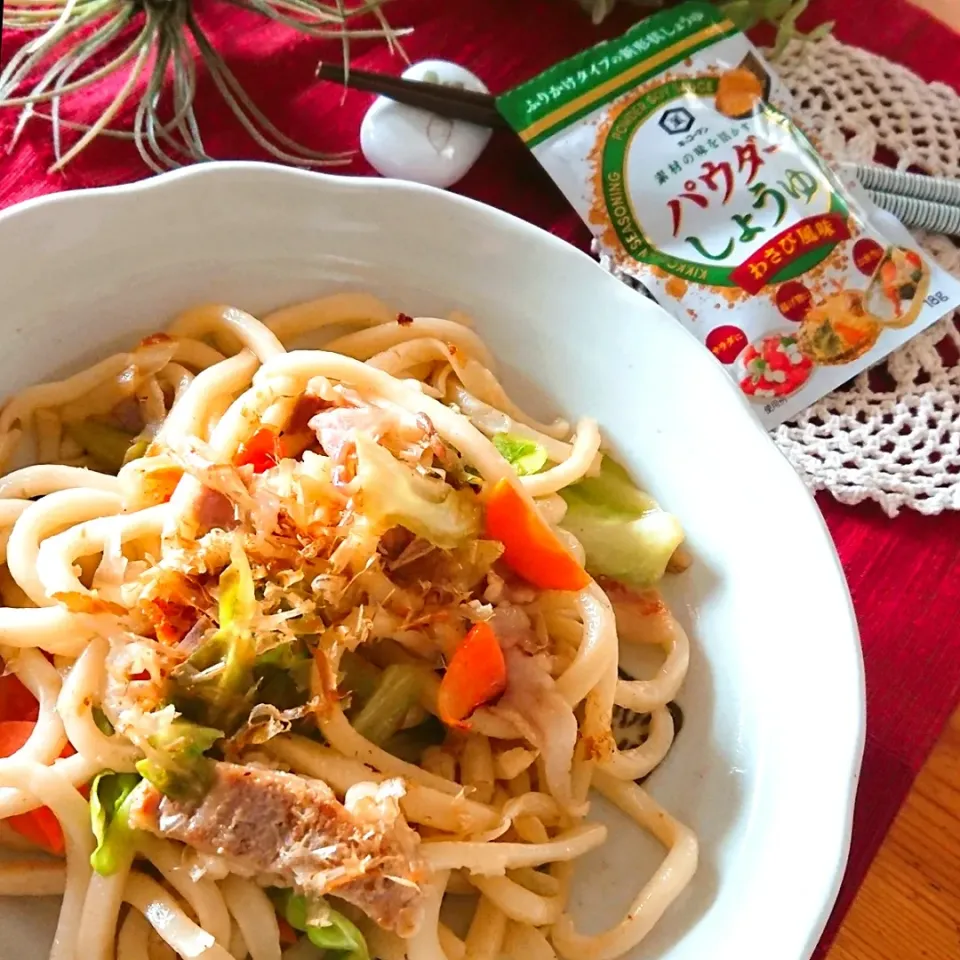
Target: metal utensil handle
[(920, 214), (885, 180)]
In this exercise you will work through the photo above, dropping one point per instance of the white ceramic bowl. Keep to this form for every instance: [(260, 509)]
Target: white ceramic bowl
[(766, 766)]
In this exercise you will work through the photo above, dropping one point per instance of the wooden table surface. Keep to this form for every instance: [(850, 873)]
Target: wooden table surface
[(909, 905), (947, 10)]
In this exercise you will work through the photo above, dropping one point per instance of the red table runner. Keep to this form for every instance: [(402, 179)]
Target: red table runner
[(899, 570)]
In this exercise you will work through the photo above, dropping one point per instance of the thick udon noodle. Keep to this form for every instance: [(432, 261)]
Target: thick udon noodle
[(229, 373)]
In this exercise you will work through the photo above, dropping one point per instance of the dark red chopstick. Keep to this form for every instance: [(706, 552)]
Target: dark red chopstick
[(452, 102)]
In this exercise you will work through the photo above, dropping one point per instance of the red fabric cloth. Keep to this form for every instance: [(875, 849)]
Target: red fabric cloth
[(899, 570)]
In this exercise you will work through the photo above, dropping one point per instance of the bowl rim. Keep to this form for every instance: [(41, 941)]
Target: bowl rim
[(852, 742)]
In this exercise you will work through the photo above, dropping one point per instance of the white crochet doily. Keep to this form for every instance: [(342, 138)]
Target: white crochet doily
[(893, 433)]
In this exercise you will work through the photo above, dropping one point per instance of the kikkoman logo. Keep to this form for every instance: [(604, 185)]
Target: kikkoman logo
[(676, 120)]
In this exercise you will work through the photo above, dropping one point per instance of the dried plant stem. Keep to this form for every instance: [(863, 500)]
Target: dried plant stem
[(174, 49), (83, 53), (93, 45), (26, 58), (87, 49), (107, 114), (61, 60), (249, 115), (110, 132)]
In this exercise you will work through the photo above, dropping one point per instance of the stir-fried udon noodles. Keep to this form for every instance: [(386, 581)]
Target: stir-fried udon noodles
[(301, 644)]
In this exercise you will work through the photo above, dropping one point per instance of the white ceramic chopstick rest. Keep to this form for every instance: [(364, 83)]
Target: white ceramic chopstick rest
[(412, 144)]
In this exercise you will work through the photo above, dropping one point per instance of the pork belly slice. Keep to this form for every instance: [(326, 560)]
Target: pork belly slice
[(290, 831)]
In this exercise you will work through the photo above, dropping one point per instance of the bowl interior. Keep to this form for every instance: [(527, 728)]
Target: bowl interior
[(765, 779)]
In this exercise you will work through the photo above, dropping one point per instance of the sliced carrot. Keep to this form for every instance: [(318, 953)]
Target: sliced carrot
[(39, 826), (288, 935), (16, 701), (475, 675), (13, 735), (530, 547), (261, 451), (159, 484)]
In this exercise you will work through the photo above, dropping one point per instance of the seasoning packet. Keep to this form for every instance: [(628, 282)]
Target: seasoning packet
[(675, 145)]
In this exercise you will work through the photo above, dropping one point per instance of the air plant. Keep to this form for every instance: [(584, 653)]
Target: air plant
[(82, 42)]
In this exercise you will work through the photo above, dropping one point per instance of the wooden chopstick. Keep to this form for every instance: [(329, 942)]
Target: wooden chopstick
[(907, 196), (456, 104)]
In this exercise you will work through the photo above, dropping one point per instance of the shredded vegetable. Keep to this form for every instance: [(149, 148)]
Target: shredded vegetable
[(138, 448), (282, 675), (525, 456), (409, 744), (103, 724), (214, 685), (336, 934), (110, 800), (176, 764), (397, 691), (359, 678), (107, 445)]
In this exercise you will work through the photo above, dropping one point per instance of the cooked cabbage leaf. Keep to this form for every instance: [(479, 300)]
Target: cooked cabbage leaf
[(214, 686), (358, 677), (524, 455), (110, 799), (282, 675), (338, 935), (106, 444), (409, 744), (393, 495), (398, 689), (624, 532), (175, 763)]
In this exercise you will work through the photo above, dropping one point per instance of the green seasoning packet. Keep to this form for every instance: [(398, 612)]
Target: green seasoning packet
[(674, 144)]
